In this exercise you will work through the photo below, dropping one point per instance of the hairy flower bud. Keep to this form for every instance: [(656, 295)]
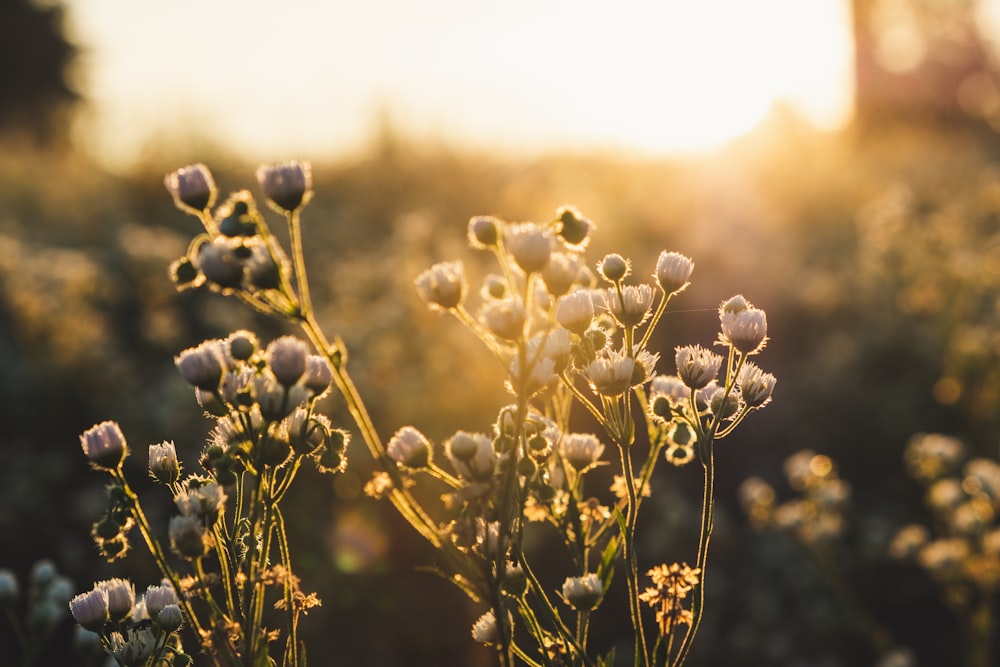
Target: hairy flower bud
[(756, 386), (104, 445), (581, 450), (575, 311), (504, 318), (743, 326), (574, 228), (529, 245), (484, 630), (472, 455), (287, 185), (188, 536), (121, 597), (287, 358), (163, 465), (443, 285), (192, 188), (583, 593), (673, 270), (614, 268), (318, 375), (202, 366), (409, 447), (90, 609), (159, 597), (220, 263), (242, 344), (484, 230)]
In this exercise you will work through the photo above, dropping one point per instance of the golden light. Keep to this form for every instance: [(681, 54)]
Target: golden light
[(315, 78)]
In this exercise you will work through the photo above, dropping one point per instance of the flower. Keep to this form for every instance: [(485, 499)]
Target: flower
[(611, 374), (484, 630), (483, 231), (287, 185), (504, 318), (630, 307), (202, 366), (756, 386), (104, 445), (583, 593), (220, 263), (443, 286), (671, 584), (192, 188), (575, 311), (409, 447), (696, 366), (287, 358), (318, 375), (163, 465), (201, 498), (614, 268), (743, 326), (575, 229), (673, 271), (121, 597), (930, 455), (529, 245), (159, 597), (134, 647), (188, 536), (472, 455), (561, 272), (91, 609), (581, 450)]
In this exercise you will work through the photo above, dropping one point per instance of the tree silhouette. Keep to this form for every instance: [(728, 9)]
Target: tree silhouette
[(35, 96)]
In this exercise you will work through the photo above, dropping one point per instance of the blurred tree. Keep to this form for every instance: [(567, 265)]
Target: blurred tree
[(35, 96), (923, 60)]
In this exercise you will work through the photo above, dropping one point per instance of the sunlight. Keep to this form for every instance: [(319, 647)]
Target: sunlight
[(312, 78)]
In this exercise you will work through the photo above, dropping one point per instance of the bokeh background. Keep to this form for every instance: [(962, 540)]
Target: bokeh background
[(835, 161)]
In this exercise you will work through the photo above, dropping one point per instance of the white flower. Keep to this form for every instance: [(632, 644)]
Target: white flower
[(504, 318), (90, 609), (575, 311), (756, 386), (529, 245), (611, 374), (743, 326), (631, 307), (287, 185), (696, 366), (121, 597), (472, 455), (409, 447), (673, 271), (443, 286), (104, 445), (484, 630), (581, 450), (163, 465), (201, 498), (583, 593)]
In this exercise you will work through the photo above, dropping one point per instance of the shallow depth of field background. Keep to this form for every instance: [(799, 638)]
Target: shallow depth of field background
[(838, 166)]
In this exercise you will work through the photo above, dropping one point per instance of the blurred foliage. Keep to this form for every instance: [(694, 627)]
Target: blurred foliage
[(875, 256)]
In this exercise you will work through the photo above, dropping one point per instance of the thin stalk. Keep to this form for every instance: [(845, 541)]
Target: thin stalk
[(631, 569), (286, 560)]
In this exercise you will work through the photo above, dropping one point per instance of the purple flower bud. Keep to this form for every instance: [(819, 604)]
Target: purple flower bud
[(287, 358), (104, 445), (287, 185), (202, 366), (192, 188), (90, 609)]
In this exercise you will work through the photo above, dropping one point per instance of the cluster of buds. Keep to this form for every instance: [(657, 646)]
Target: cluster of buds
[(237, 253), (816, 515), (135, 631), (964, 497), (264, 400)]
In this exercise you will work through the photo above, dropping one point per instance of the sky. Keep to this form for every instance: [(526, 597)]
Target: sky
[(317, 78)]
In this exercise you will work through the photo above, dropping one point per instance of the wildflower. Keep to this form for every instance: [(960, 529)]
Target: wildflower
[(202, 366), (170, 618), (982, 476), (554, 344), (672, 272), (276, 401), (159, 597), (237, 216), (90, 609), (696, 366), (287, 185), (472, 455), (163, 465), (671, 585), (575, 311), (241, 344), (614, 268), (529, 245), (581, 450), (192, 188), (504, 318), (104, 445), (484, 630), (409, 447), (756, 386), (188, 536), (318, 375), (134, 647), (286, 357), (259, 268), (575, 229), (201, 498), (620, 491), (561, 273), (611, 375), (443, 286), (630, 307), (220, 264), (536, 377), (743, 326), (307, 433), (583, 593), (121, 597), (483, 231)]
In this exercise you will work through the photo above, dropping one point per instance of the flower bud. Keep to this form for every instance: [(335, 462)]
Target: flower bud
[(504, 318), (484, 630), (276, 401), (583, 593), (561, 273), (163, 465), (260, 268), (743, 326), (121, 597), (242, 344), (575, 311), (184, 274), (696, 366), (409, 447), (575, 229), (160, 597), (192, 188), (529, 245), (170, 618), (202, 366), (443, 286), (484, 230), (90, 609), (236, 216), (287, 358), (220, 264), (614, 268), (756, 386), (188, 537), (287, 185), (104, 445), (472, 455), (673, 270)]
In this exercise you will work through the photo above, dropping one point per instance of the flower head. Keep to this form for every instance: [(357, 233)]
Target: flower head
[(696, 366), (287, 185), (121, 597), (743, 326), (504, 318), (583, 593), (529, 245), (409, 447), (631, 306), (104, 445), (484, 630), (575, 311), (472, 455), (756, 386), (673, 270), (90, 609), (163, 465), (287, 358), (192, 188), (611, 374), (581, 450), (202, 366), (614, 268), (443, 286)]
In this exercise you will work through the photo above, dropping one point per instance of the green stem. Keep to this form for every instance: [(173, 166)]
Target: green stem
[(631, 569)]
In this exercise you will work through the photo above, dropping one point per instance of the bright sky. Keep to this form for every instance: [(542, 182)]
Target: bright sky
[(315, 78)]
